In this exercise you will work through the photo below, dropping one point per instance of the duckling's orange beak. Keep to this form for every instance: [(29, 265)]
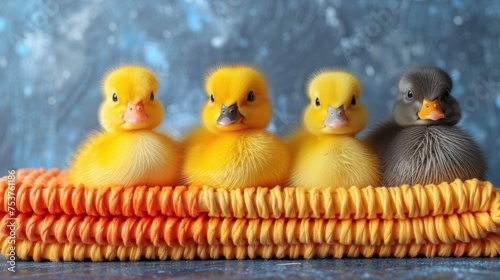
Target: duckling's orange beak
[(430, 110), (135, 113)]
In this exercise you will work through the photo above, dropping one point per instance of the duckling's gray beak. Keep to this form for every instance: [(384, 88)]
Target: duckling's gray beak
[(336, 117), (228, 115)]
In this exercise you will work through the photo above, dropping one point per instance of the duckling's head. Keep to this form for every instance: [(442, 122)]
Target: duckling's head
[(130, 101), (335, 106), (237, 99), (424, 98)]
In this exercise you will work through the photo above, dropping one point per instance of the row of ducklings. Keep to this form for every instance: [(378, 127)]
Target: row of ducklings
[(233, 149)]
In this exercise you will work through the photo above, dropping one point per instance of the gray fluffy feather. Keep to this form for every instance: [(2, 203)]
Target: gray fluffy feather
[(414, 151)]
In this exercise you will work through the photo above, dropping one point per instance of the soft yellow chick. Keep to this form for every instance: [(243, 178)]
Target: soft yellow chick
[(234, 150), (128, 152), (330, 156)]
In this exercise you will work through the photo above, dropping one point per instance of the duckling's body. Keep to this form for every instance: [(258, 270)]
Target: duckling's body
[(335, 161), (125, 159), (234, 150), (431, 155), (422, 145), (128, 151), (252, 157), (326, 153)]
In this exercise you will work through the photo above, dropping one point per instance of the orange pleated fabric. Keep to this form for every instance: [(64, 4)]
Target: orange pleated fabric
[(60, 222)]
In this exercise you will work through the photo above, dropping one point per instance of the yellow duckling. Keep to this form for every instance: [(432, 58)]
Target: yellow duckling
[(330, 156), (128, 152), (234, 150)]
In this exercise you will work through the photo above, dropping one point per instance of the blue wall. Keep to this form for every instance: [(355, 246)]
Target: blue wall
[(54, 53)]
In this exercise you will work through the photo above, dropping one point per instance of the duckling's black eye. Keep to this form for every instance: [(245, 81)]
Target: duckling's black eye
[(409, 93), (353, 100), (152, 97), (250, 96), (115, 97), (212, 99), (317, 102)]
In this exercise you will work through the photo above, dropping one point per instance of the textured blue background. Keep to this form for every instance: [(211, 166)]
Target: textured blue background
[(53, 54)]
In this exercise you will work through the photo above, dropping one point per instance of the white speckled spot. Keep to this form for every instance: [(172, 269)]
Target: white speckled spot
[(218, 41), (66, 74), (51, 59), (455, 74), (28, 91), (111, 40), (366, 275), (133, 14), (272, 127), (2, 24), (458, 20), (441, 63), (77, 36), (166, 34), (112, 26), (370, 71), (418, 49), (3, 62), (51, 100), (433, 10), (331, 17), (291, 263)]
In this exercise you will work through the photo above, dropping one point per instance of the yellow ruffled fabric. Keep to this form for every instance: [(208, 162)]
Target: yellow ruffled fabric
[(58, 221)]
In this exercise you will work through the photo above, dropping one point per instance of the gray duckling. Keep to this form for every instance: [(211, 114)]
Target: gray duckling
[(422, 145)]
